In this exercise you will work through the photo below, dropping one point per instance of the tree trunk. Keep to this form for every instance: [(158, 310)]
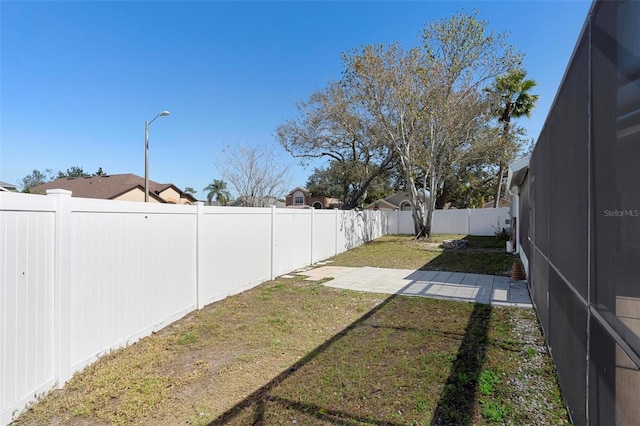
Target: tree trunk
[(428, 229), (441, 201), (498, 187), (417, 208), (507, 122)]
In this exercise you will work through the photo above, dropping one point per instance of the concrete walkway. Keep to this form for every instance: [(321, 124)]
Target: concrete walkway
[(487, 289)]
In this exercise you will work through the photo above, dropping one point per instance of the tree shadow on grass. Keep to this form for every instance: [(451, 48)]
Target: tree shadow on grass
[(316, 389), (484, 255), (255, 408), (389, 367), (458, 397)]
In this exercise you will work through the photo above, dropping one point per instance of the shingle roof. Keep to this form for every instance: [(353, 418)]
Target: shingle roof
[(105, 187), (8, 186)]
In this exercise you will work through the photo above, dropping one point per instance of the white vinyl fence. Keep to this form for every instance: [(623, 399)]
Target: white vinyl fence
[(79, 277), (483, 222)]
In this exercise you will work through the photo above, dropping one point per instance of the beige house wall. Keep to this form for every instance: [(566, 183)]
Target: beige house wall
[(170, 195), (136, 194)]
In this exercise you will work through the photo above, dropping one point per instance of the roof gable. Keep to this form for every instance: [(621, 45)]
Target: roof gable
[(299, 188)]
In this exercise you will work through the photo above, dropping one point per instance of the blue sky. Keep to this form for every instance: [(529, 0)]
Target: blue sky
[(79, 79)]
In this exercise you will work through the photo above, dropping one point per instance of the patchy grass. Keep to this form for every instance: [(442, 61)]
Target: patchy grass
[(485, 255), (291, 351)]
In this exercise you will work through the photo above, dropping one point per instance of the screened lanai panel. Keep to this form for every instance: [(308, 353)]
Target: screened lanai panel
[(616, 158), (567, 338), (539, 280), (540, 184), (568, 132)]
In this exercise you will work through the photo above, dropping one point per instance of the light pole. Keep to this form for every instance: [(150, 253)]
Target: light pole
[(146, 154)]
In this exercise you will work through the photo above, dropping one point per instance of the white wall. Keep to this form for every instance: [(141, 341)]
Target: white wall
[(79, 277), (483, 222)]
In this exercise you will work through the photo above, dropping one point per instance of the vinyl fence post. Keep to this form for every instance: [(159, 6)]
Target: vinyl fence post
[(199, 253), (311, 249), (273, 242), (468, 221), (62, 286), (336, 234)]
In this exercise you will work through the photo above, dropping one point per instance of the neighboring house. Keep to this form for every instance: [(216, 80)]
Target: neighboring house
[(7, 187), (303, 198), (126, 187), (397, 201)]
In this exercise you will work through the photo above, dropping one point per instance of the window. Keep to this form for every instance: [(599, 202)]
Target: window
[(298, 200)]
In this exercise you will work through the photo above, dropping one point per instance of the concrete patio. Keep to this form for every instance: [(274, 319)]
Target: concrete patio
[(477, 288)]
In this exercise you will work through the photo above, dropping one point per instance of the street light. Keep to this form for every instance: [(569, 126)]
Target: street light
[(146, 154)]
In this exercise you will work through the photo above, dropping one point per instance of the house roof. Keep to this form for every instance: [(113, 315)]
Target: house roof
[(382, 204), (517, 172), (299, 188), (397, 199), (107, 187), (4, 186)]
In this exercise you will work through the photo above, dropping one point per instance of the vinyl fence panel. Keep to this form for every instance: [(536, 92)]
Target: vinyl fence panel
[(487, 222), (26, 300), (132, 273), (79, 277), (291, 239), (483, 222), (451, 222), (235, 250), (324, 234)]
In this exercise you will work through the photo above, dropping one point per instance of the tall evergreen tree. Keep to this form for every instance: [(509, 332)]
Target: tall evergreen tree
[(513, 100)]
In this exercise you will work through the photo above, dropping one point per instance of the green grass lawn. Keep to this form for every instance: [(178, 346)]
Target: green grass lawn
[(485, 255), (291, 351)]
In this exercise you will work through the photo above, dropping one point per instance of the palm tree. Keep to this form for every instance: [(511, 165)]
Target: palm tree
[(217, 189), (514, 100)]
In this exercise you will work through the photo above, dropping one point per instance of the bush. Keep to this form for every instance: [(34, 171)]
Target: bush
[(503, 235)]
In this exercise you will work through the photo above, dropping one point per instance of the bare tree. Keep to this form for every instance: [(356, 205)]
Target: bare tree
[(389, 94), (330, 126), (255, 173)]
